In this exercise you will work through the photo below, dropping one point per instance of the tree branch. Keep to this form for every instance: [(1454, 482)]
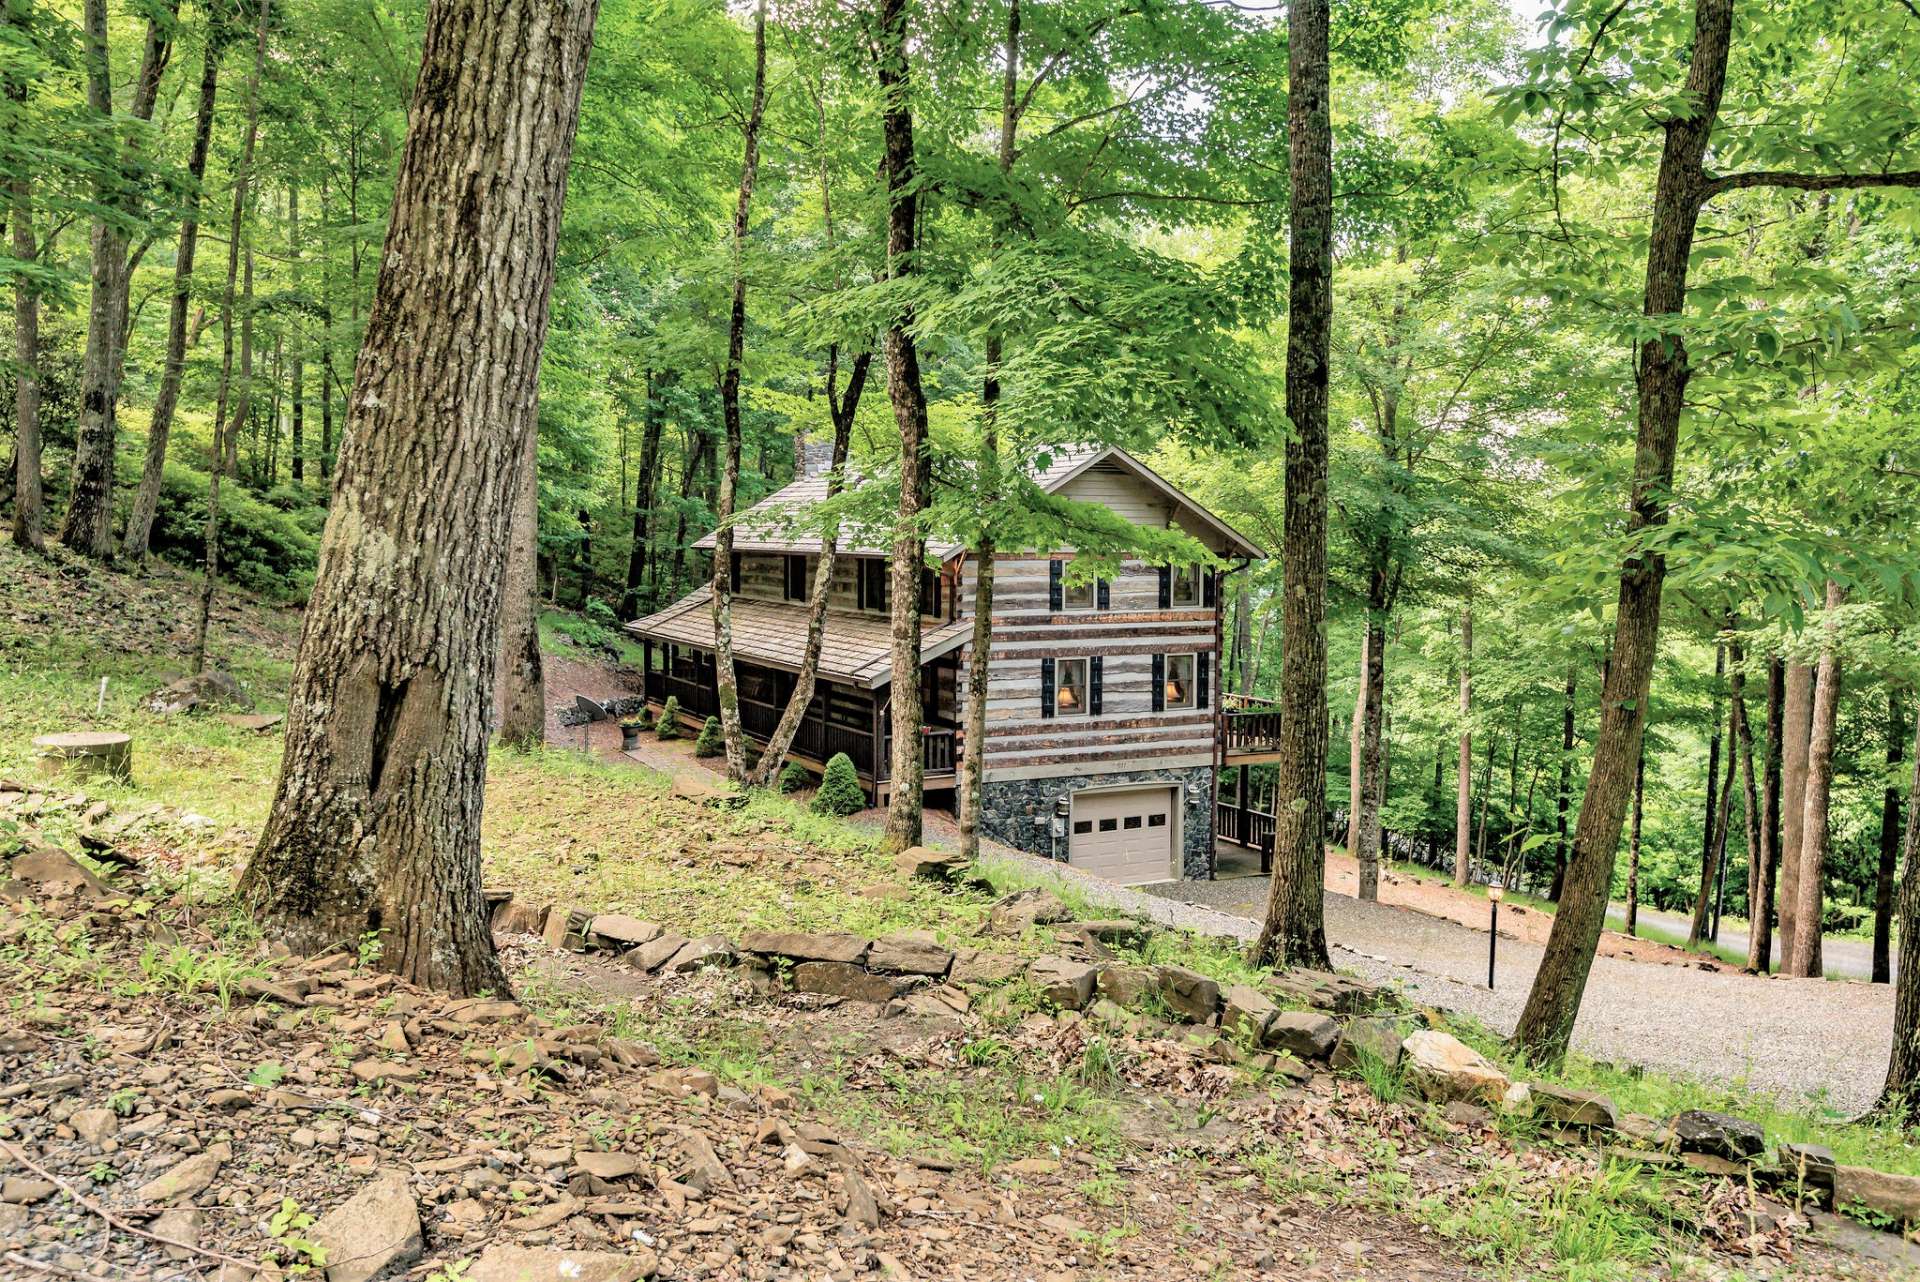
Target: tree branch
[(1807, 182)]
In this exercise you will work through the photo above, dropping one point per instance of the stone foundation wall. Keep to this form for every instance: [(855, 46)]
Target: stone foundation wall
[(1009, 808)]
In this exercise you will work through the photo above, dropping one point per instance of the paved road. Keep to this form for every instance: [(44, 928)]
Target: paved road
[(1797, 1038), (1845, 958)]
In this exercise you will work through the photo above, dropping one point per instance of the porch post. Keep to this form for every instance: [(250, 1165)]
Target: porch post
[(1240, 800)]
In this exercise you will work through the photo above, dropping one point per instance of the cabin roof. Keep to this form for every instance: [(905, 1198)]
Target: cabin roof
[(766, 526), (856, 649)]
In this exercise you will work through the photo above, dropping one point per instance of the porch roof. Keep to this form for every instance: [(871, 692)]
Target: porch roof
[(856, 649)]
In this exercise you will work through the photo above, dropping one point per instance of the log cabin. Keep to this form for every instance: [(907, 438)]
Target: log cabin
[(1107, 728)]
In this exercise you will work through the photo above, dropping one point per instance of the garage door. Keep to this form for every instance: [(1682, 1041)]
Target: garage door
[(1124, 836)]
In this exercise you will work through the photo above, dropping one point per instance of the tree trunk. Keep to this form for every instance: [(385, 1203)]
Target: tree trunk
[(28, 504), (910, 414), (643, 492), (1900, 1098), (1553, 1003), (223, 432), (1463, 774), (520, 692), (1723, 826), (88, 526), (376, 819), (1803, 953), (1354, 755), (1795, 731), (1633, 844), (1889, 846), (1703, 901), (1294, 931), (297, 357), (146, 499), (1742, 748), (1761, 907), (1566, 783), (1372, 773), (727, 678), (326, 355)]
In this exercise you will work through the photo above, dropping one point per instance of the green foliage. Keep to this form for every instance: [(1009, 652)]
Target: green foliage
[(710, 743), (269, 550), (840, 792), (668, 726), (793, 777)]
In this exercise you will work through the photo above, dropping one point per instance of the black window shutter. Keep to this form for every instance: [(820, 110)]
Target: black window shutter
[(860, 586), (1160, 678), (1200, 699), (1093, 686), (1046, 687), (1103, 598), (1206, 595), (1166, 587), (1054, 591), (733, 573)]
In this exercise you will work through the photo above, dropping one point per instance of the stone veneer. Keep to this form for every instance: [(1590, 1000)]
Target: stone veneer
[(1008, 809)]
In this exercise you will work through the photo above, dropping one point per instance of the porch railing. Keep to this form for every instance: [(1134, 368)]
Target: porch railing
[(939, 751)]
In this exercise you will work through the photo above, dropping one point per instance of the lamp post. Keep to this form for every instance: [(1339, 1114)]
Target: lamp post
[(1494, 895)]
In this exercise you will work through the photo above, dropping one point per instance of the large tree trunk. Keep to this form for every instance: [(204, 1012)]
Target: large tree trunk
[(1766, 875), (1565, 785), (376, 819), (1463, 772), (1901, 1096), (727, 679), (910, 414), (1795, 731), (88, 526), (1703, 900), (1373, 687), (28, 504), (1546, 1023), (1294, 931), (520, 692), (1803, 951), (146, 499), (1889, 846), (297, 357), (643, 491)]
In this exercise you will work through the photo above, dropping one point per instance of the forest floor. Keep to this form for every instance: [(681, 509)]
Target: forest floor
[(164, 1074)]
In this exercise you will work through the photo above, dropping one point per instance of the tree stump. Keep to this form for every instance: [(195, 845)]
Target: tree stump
[(85, 753)]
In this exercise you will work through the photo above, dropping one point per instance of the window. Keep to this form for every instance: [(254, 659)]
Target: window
[(1077, 596), (1156, 821), (1082, 826), (1070, 693), (873, 584), (796, 578), (1109, 825), (1186, 585), (1132, 822), (930, 584), (1180, 681)]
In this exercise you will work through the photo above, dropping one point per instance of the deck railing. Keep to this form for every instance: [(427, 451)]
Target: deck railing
[(939, 751)]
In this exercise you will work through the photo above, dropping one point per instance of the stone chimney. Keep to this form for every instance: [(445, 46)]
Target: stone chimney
[(810, 458)]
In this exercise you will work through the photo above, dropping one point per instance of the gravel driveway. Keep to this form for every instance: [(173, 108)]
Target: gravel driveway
[(1795, 1037)]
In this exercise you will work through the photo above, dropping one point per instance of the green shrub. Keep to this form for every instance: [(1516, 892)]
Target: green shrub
[(710, 743), (840, 792), (668, 727), (267, 546), (794, 777)]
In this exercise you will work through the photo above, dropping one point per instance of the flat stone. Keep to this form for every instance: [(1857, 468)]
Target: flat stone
[(1441, 1067), (1189, 994), (981, 966), (1024, 909), (565, 929), (23, 1190), (1709, 1164), (95, 1124), (863, 1208), (1588, 1110), (655, 953), (1067, 984), (619, 931), (609, 1166), (518, 917), (708, 950), (1122, 932), (935, 865), (501, 1262), (903, 955), (1247, 1013), (51, 866), (377, 1227), (1378, 1039), (837, 946), (1810, 1165), (1308, 1034), (631, 1054), (1734, 1138), (843, 979), (1896, 1196), (185, 1178), (1129, 986), (183, 1224)]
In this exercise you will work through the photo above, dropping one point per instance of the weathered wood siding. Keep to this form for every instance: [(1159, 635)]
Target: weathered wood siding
[(763, 578), (1022, 741)]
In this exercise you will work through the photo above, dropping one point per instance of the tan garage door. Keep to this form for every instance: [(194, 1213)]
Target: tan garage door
[(1124, 836)]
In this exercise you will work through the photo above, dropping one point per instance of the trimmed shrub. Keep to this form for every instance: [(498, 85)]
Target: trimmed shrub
[(710, 743), (840, 792), (793, 777), (668, 726)]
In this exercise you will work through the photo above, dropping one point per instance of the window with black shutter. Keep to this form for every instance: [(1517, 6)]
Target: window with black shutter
[(1094, 681), (1055, 591), (796, 578), (1104, 598), (1046, 687), (1166, 587), (873, 584), (1159, 683), (1200, 686), (929, 593), (733, 573), (1209, 587)]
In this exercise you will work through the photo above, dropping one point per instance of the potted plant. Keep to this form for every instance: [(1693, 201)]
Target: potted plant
[(630, 734)]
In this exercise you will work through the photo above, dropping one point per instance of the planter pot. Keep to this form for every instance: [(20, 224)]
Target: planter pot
[(630, 735)]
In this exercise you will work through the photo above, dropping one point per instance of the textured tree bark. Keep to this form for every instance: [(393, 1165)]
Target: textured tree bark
[(1889, 846), (225, 434), (1354, 735), (376, 819), (1633, 844), (726, 675), (1900, 1098), (1566, 783), (146, 499), (1463, 772), (1750, 795), (1546, 1023), (28, 503), (1703, 901), (1372, 774), (1294, 930), (1803, 951), (910, 414), (643, 491), (1761, 909), (520, 694), (297, 357), (87, 527), (1795, 731)]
